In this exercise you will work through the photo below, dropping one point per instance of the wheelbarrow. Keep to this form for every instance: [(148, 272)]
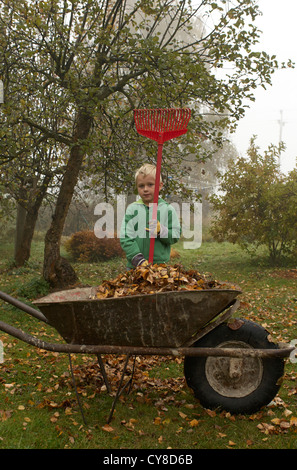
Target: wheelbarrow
[(229, 363)]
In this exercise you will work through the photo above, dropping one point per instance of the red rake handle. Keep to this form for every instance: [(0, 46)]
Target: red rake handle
[(160, 125), (155, 202)]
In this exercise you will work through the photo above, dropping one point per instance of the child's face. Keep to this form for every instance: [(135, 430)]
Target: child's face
[(146, 188)]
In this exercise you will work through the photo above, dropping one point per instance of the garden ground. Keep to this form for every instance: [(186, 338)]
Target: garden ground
[(38, 407)]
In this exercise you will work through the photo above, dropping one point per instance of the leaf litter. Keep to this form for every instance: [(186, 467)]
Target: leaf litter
[(154, 278), (269, 422)]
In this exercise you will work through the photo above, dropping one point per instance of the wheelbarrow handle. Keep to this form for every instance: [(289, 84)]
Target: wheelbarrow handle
[(22, 306), (141, 350)]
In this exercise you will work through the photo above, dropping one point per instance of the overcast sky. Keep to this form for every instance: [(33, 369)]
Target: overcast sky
[(263, 118)]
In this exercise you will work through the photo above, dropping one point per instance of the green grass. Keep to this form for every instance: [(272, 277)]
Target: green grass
[(38, 408)]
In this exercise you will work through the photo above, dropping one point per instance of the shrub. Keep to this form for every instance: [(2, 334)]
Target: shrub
[(256, 204), (84, 246), (35, 287)]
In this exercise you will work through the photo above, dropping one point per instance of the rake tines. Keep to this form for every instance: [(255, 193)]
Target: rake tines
[(162, 124)]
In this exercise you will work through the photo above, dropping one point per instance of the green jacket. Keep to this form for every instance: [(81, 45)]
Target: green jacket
[(135, 238)]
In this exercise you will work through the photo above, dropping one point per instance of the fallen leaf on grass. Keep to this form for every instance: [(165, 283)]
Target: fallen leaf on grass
[(59, 430), (129, 425), (5, 414), (267, 428), (55, 417), (107, 428), (190, 406), (278, 426), (194, 423), (7, 386), (46, 403), (283, 423), (293, 421), (276, 421)]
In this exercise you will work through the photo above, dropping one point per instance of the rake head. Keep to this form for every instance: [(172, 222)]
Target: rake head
[(162, 124)]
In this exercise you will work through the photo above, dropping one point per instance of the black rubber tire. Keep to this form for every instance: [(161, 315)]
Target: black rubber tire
[(206, 374)]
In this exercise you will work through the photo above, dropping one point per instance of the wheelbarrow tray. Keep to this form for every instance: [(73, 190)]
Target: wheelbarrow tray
[(164, 319)]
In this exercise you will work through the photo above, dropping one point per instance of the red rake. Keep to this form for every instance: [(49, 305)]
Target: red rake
[(160, 125)]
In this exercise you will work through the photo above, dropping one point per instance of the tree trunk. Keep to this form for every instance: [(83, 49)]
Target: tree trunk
[(26, 222), (19, 232), (23, 247), (56, 270)]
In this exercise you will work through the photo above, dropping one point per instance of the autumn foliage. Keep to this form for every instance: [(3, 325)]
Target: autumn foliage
[(256, 205), (156, 278), (84, 246)]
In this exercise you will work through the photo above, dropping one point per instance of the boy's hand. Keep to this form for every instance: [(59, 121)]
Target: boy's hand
[(156, 229), (139, 260)]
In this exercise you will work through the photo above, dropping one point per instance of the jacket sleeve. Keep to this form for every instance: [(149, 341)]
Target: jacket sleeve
[(129, 233)]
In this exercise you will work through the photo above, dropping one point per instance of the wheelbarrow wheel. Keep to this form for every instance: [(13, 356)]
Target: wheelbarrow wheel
[(238, 385)]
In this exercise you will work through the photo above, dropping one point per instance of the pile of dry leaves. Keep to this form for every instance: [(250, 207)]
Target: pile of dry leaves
[(155, 278)]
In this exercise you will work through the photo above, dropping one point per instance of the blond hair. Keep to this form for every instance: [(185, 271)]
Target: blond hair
[(146, 169)]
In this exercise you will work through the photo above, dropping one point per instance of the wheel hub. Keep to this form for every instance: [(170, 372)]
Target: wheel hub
[(234, 377)]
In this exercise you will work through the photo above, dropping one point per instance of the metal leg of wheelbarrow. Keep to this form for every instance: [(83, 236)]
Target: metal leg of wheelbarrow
[(76, 392), (103, 372), (120, 388), (102, 369)]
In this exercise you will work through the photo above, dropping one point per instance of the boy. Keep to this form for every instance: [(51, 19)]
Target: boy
[(138, 228)]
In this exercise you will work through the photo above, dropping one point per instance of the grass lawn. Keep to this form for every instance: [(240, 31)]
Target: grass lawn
[(38, 407)]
